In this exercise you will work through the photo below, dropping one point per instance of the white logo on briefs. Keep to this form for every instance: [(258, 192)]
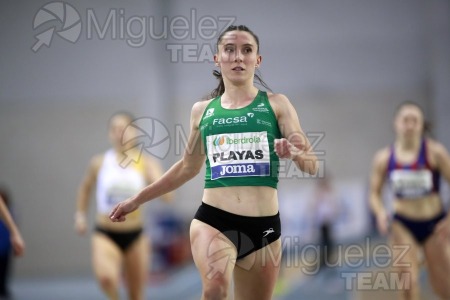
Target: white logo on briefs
[(268, 231)]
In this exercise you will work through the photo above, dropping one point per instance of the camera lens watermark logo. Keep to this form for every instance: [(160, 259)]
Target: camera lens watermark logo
[(145, 134), (52, 13), (221, 252), (190, 38)]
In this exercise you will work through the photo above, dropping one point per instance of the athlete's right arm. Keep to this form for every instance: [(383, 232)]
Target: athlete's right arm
[(377, 177), (15, 236), (84, 194), (181, 172)]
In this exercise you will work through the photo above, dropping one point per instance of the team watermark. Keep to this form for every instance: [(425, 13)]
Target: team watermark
[(362, 266), (69, 23), (352, 262), (371, 281)]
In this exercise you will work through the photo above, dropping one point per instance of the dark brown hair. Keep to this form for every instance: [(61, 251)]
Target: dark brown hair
[(4, 193), (220, 89)]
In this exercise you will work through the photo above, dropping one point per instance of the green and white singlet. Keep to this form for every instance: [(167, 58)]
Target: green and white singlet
[(239, 144)]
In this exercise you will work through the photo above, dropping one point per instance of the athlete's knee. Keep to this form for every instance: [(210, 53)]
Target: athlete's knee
[(108, 282), (408, 279), (215, 288), (136, 291), (413, 277), (136, 295), (442, 290), (444, 293)]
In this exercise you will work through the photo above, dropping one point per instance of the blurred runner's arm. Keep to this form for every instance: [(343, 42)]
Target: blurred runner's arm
[(16, 238)]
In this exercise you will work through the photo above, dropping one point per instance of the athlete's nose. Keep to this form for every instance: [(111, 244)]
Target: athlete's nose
[(238, 56)]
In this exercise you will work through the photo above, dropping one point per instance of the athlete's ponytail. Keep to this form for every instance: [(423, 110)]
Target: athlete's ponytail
[(220, 89)]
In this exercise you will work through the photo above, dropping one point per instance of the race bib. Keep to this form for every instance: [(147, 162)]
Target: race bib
[(412, 183), (118, 194), (238, 154)]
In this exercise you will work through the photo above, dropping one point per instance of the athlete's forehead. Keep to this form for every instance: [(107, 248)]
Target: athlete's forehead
[(238, 38), (119, 121), (409, 110)]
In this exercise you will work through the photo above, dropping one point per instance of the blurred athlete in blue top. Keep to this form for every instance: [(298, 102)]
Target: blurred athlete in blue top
[(413, 165)]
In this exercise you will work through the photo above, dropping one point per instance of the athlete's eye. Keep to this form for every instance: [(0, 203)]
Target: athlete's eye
[(229, 49)]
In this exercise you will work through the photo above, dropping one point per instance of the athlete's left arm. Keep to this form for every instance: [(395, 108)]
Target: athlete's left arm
[(294, 144), (153, 171), (443, 164), (443, 160)]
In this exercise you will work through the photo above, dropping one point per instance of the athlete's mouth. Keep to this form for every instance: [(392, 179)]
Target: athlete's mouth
[(238, 69)]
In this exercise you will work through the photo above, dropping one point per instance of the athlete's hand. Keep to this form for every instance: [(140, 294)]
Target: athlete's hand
[(80, 223), (443, 229), (80, 226), (17, 243), (285, 149), (122, 209), (383, 223)]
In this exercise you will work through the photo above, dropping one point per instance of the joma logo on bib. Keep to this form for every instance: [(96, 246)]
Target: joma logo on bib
[(237, 169)]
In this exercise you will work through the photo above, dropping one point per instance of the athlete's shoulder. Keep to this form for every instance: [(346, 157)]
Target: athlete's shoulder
[(199, 107), (381, 157), (96, 162), (280, 104), (98, 158), (436, 148), (279, 98)]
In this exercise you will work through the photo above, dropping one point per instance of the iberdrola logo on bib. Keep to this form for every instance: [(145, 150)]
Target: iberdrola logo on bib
[(224, 141), (220, 140)]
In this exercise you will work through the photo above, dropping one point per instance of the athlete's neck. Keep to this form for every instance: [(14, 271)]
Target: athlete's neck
[(408, 144), (238, 96), (120, 152)]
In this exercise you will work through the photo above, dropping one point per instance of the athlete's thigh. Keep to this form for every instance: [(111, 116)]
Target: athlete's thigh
[(213, 253), (256, 274), (136, 264), (405, 251), (437, 254), (106, 257)]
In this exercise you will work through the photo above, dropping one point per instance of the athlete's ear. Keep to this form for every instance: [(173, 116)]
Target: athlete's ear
[(216, 60), (258, 60), (395, 125)]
